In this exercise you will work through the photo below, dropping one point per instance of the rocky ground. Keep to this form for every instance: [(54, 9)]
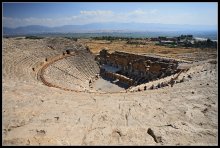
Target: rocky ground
[(35, 114)]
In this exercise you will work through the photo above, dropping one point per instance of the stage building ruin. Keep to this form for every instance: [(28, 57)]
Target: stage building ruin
[(132, 69)]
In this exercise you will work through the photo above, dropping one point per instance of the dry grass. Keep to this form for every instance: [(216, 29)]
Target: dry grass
[(96, 46), (181, 53)]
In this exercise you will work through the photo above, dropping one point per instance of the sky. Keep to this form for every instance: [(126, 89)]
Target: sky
[(78, 13)]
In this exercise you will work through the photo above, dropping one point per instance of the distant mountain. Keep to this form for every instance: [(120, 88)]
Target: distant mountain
[(26, 29), (106, 27)]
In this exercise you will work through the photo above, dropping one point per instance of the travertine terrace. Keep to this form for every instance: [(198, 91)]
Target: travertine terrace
[(51, 96)]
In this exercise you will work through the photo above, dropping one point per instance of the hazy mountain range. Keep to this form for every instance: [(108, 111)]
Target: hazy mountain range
[(107, 27)]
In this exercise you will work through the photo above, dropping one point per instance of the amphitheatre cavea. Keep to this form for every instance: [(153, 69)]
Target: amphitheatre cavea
[(58, 91)]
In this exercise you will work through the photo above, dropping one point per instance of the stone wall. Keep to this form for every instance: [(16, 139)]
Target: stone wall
[(115, 76), (138, 68)]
